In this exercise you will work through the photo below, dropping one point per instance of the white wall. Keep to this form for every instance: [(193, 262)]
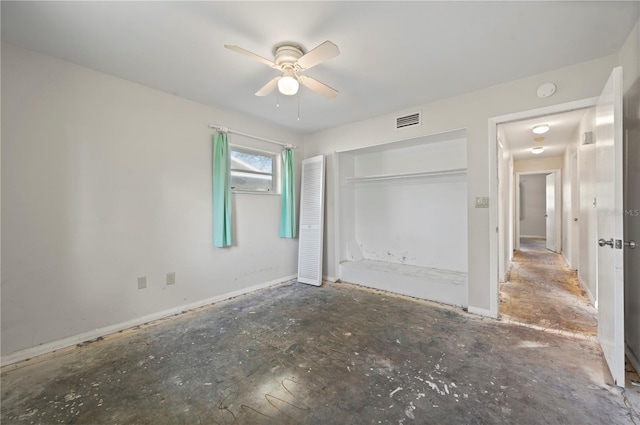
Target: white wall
[(417, 223), (538, 164), (571, 203), (471, 111), (630, 60), (429, 156), (533, 205), (104, 181)]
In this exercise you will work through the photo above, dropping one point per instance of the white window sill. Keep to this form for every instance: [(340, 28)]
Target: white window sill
[(251, 192)]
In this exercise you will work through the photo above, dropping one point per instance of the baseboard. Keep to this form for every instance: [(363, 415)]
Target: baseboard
[(49, 347), (566, 260), (533, 236), (633, 358), (330, 278), (480, 311), (585, 287)]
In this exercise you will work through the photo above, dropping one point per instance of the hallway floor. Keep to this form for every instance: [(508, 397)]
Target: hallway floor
[(542, 291), (337, 354)]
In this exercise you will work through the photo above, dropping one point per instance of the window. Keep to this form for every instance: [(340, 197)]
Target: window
[(253, 170)]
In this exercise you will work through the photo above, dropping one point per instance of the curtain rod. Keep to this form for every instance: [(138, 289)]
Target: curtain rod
[(222, 129)]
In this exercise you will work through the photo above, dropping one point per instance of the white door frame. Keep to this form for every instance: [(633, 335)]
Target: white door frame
[(558, 174), (494, 285), (557, 227), (573, 235)]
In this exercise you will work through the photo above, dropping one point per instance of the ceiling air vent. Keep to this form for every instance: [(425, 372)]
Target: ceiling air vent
[(408, 120)]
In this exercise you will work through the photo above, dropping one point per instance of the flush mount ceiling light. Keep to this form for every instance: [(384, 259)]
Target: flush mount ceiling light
[(537, 150), (541, 129)]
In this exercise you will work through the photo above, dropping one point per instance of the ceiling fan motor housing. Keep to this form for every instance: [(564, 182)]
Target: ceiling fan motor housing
[(287, 54)]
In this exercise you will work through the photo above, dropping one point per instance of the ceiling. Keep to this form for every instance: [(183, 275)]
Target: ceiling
[(563, 130), (394, 55)]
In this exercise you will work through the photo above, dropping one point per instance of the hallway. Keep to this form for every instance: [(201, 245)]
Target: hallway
[(541, 291)]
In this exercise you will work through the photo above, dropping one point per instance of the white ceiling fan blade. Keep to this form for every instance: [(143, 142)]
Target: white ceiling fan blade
[(251, 55), (268, 88), (321, 53), (317, 86)]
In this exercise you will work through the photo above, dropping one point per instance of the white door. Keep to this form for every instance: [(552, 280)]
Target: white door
[(609, 206), (502, 260), (311, 221), (550, 213)]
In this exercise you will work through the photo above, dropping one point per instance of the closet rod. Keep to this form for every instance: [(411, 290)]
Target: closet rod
[(222, 129), (450, 172)]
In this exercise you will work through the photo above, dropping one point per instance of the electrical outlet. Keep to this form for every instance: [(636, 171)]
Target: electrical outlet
[(482, 202), (171, 278), (142, 282)]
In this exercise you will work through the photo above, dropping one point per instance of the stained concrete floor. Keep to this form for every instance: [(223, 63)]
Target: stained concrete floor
[(337, 354), (542, 291)]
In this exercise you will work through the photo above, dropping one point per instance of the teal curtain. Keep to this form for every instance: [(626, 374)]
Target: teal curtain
[(288, 215), (221, 191)]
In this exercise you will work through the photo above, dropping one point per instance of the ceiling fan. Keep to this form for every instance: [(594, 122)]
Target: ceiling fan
[(291, 60)]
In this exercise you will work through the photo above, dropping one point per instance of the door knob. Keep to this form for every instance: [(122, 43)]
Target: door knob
[(602, 242), (631, 244)]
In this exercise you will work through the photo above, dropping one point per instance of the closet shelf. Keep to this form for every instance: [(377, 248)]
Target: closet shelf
[(422, 174)]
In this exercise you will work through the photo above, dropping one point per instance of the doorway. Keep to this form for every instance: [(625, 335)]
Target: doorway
[(538, 208), (608, 203), (540, 287), (503, 242)]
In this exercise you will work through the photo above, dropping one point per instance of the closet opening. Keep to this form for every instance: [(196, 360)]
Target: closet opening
[(402, 217)]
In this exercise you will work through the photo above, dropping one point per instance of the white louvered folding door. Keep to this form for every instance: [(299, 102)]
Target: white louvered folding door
[(311, 221)]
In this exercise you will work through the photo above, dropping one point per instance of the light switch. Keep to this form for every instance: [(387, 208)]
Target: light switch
[(482, 202)]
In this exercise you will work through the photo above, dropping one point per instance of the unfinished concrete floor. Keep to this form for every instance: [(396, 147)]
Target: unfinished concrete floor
[(337, 354), (543, 291)]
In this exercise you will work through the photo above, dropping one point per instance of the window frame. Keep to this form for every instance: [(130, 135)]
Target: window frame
[(276, 170)]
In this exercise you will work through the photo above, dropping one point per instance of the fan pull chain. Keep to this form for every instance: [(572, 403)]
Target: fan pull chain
[(298, 106), (277, 100)]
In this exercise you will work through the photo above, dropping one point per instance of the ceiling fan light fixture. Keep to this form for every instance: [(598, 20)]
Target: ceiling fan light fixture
[(288, 83), (537, 150), (541, 129), (289, 58)]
